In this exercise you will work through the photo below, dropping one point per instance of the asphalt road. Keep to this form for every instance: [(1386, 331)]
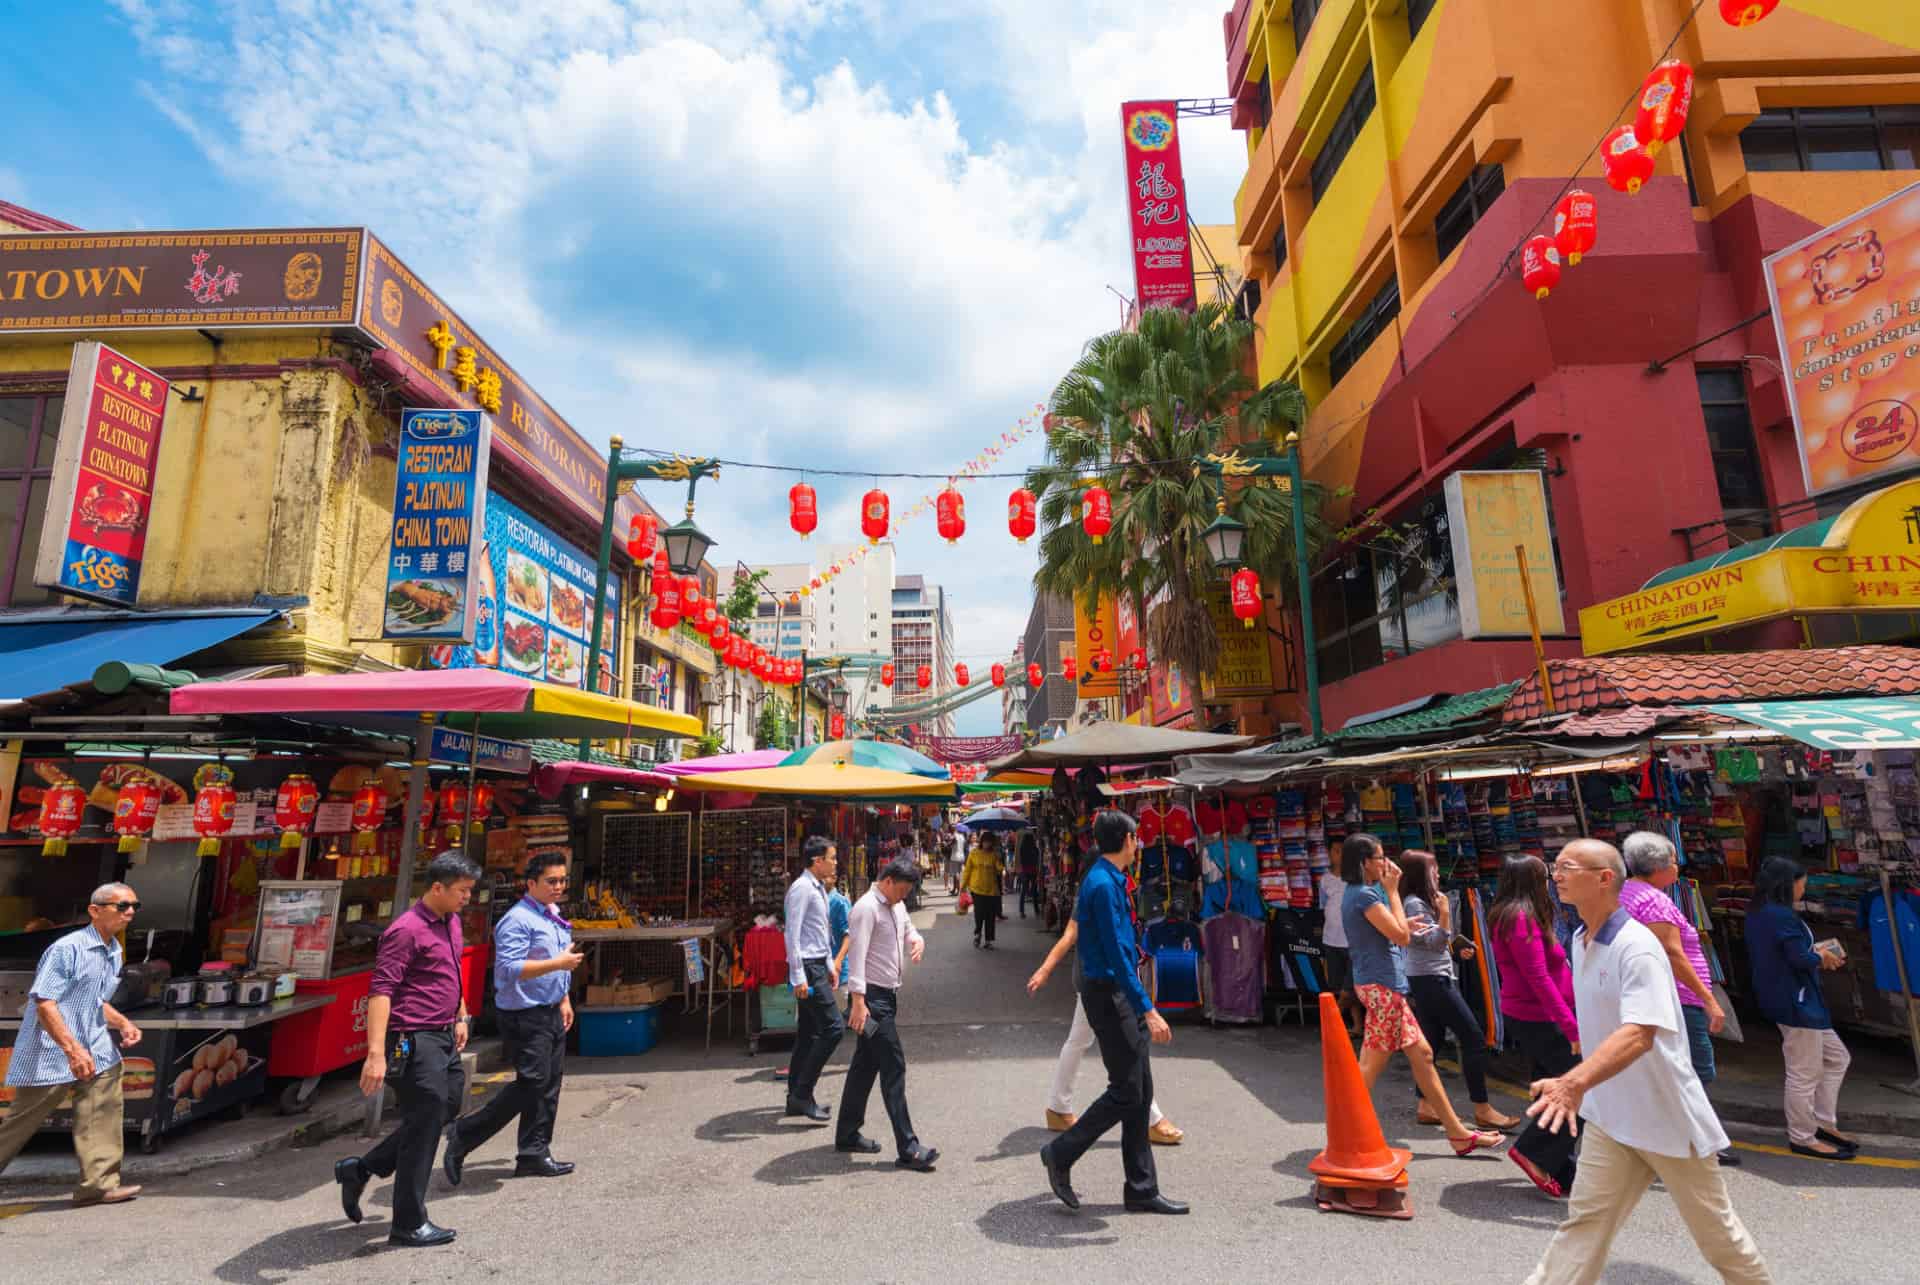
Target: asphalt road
[(687, 1172)]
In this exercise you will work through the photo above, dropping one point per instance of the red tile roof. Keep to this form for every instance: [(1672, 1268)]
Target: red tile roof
[(21, 217), (1614, 682)]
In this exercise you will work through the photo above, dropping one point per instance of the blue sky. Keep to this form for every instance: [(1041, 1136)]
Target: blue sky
[(828, 233)]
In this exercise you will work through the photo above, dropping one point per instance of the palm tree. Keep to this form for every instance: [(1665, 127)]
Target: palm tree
[(1134, 413)]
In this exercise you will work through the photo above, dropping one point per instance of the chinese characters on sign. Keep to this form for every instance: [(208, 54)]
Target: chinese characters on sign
[(439, 497), (94, 535), (1490, 513), (1157, 206)]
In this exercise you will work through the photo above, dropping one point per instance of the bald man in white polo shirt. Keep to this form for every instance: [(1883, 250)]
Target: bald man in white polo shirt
[(1645, 1112)]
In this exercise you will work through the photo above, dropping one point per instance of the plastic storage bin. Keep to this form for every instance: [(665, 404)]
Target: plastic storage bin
[(619, 1032)]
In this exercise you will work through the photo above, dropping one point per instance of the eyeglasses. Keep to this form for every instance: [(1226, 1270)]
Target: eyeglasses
[(123, 907), (1569, 867)]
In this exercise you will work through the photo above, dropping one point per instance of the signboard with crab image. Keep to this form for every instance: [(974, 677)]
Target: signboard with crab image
[(94, 535)]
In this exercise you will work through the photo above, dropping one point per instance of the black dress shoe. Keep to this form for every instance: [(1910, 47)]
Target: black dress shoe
[(420, 1237), (1729, 1159), (1057, 1178), (858, 1145), (353, 1179), (1810, 1153), (920, 1160), (1155, 1204), (453, 1161), (1834, 1139), (811, 1110), (545, 1167)]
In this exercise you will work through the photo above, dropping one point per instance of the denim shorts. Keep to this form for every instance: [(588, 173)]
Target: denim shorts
[(1699, 1042)]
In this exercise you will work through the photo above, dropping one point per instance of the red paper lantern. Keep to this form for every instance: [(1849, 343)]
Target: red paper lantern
[(1020, 513), (642, 531), (1576, 225), (1035, 675), (1246, 596), (482, 806), (709, 620), (293, 808), (1539, 268), (759, 666), (738, 654), (999, 673), (1103, 661), (1096, 512), (1628, 164), (873, 517), (950, 515), (1069, 670), (369, 812), (803, 509), (721, 633), (924, 678), (213, 816), (666, 594), (837, 725), (60, 815), (690, 600), (1744, 13), (886, 674), (134, 813), (961, 677), (1665, 97), (1138, 660), (455, 803)]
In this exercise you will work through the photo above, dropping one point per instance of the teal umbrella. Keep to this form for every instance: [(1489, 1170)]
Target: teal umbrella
[(865, 753)]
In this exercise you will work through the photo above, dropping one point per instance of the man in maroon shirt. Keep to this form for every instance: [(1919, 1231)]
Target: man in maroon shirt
[(416, 1029)]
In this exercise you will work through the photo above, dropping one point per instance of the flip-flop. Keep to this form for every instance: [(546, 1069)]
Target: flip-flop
[(1478, 1140)]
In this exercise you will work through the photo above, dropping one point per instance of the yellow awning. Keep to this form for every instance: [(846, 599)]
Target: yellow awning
[(826, 780), (567, 713)]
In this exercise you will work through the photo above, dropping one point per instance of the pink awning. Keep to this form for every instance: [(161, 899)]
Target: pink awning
[(409, 691), (551, 779), (745, 761)]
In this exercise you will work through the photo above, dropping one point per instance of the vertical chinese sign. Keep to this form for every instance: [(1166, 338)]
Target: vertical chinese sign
[(94, 536), (1157, 206), (1134, 685), (1096, 630), (1844, 306), (439, 504), (1490, 513)]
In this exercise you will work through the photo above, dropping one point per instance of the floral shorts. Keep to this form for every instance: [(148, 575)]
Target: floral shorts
[(1390, 1022)]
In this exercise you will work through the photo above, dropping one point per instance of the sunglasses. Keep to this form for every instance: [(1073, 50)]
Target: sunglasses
[(122, 906)]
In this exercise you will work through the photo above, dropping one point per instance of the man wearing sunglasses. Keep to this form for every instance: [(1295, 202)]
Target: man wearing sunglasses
[(533, 963), (66, 1043)]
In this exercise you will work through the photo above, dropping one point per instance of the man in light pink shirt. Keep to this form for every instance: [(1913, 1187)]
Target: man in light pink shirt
[(880, 941)]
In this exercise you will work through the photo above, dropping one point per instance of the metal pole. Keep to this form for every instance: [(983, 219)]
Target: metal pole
[(1533, 626), (1906, 987), (600, 573), (409, 849), (800, 700), (1304, 572)]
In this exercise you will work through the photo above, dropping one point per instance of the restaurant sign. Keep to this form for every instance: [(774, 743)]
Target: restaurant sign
[(1157, 205), (439, 504), (93, 538), (1245, 667)]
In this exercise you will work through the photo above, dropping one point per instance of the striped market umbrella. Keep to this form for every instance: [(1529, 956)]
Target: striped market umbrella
[(869, 753)]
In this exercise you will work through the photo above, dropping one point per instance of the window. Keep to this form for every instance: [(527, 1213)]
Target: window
[(1346, 129), (1467, 206), (1736, 463), (1833, 138), (1418, 11), (29, 426), (1347, 349), (1263, 101), (1279, 248), (1303, 12), (1384, 602), (1247, 302)]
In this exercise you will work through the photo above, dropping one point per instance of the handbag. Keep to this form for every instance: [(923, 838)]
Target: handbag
[(1731, 1031), (965, 903)]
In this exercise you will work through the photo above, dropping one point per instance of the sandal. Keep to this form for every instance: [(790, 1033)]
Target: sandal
[(1505, 1124), (1166, 1134), (1478, 1140), (1424, 1117), (1537, 1176)]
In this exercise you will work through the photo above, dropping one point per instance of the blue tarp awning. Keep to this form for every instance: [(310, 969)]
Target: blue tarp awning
[(43, 652)]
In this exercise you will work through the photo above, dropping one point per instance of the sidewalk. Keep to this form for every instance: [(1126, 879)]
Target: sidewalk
[(337, 1108)]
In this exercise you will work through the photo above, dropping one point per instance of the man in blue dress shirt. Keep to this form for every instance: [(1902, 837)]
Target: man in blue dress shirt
[(809, 970), (533, 963), (1123, 1021)]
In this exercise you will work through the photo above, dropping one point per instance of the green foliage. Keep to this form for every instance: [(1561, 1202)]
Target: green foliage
[(773, 731), (1133, 414), (707, 746), (743, 600)]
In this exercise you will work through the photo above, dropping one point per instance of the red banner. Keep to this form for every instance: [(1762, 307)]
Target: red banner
[(1157, 206), (1134, 695)]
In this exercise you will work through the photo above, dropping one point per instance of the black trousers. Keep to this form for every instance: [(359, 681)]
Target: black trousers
[(429, 1084), (1128, 1101), (1029, 891), (818, 1033), (986, 909), (1551, 1054), (878, 1053), (1440, 1008), (536, 1044)]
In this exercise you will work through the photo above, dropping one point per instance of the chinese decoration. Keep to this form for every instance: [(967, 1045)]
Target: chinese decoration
[(999, 673), (837, 725), (950, 515), (886, 674), (1068, 669), (293, 808), (1245, 591), (1628, 165), (1664, 99), (1157, 205), (666, 594), (1020, 514), (1539, 270), (803, 509), (1034, 674), (1096, 512), (924, 677), (1576, 226), (369, 811), (213, 814), (134, 813), (454, 806), (642, 532), (439, 502), (1103, 661), (1137, 662), (961, 677), (1744, 13), (482, 806), (873, 515), (60, 815)]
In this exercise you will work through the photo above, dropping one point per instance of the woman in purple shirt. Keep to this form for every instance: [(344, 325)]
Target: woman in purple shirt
[(1536, 999)]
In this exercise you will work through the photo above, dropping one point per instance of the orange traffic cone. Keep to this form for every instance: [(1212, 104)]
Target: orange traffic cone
[(1358, 1173)]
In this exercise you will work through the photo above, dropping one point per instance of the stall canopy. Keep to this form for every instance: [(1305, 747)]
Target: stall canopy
[(504, 704), (43, 652), (869, 753), (1104, 744), (843, 781), (550, 780), (741, 762), (1876, 723)]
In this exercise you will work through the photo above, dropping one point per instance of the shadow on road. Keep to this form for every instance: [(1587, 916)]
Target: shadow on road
[(755, 1122), (1041, 1222), (286, 1255), (815, 1164), (1509, 1201)]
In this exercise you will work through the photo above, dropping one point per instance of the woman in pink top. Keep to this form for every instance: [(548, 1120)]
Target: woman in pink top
[(1536, 999)]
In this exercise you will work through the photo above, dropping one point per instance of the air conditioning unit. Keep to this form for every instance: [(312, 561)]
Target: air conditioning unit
[(644, 679)]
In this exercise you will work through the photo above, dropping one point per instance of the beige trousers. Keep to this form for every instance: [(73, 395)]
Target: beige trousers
[(1816, 1062), (98, 1121), (1611, 1181)]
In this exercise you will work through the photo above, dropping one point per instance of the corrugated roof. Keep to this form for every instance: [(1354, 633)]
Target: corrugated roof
[(1437, 717), (1809, 536)]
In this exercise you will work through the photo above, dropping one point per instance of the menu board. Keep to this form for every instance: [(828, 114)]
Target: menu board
[(535, 600), (293, 930), (439, 494)]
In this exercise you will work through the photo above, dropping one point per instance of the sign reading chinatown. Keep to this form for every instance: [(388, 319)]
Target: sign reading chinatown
[(439, 502), (1157, 206), (94, 535), (1846, 311)]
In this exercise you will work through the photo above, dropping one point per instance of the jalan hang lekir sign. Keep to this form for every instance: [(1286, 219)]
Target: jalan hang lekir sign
[(1157, 206)]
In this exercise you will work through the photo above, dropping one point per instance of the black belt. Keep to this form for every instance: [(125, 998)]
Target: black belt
[(821, 960), (427, 1030)]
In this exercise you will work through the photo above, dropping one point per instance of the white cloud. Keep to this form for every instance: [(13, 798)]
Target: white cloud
[(12, 187)]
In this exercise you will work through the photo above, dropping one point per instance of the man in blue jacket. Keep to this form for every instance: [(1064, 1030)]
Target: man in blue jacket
[(1123, 1021)]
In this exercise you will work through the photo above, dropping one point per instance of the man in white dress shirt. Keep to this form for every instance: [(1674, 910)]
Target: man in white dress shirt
[(810, 970), (881, 940)]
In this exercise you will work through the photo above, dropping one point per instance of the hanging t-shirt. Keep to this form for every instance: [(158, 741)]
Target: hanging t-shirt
[(1235, 895), (1237, 856)]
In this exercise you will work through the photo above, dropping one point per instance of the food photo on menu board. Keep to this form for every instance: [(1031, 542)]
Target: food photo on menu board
[(534, 604)]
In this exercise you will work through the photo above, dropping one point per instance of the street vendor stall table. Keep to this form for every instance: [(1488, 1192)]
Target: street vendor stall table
[(706, 933), (192, 1063)]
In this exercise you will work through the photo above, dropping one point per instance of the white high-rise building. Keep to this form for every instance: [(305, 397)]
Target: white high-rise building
[(854, 615), (783, 627), (922, 635)]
